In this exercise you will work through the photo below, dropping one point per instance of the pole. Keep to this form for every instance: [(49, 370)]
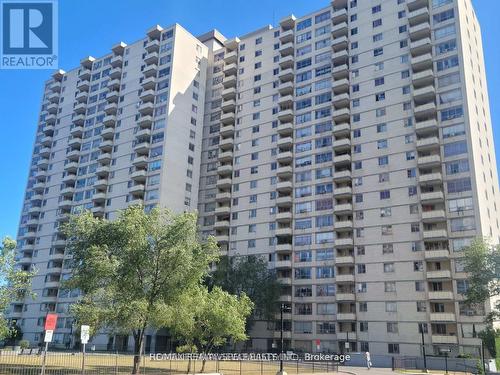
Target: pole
[(348, 346), (423, 346), (44, 357), (281, 338), (482, 356), (446, 362), (83, 360)]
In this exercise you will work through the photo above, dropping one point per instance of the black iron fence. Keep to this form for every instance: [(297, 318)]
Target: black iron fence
[(29, 362)]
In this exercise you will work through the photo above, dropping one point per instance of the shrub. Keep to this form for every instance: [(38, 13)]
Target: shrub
[(24, 344)]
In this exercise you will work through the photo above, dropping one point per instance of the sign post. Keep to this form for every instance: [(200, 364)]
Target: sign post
[(84, 338), (50, 326)]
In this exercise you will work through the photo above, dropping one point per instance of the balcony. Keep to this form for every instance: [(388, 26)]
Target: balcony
[(420, 31), (222, 211), (430, 178), (339, 16), (433, 216), (340, 72), (425, 110), (225, 170), (342, 176), (429, 161), (341, 100), (441, 295), (287, 36), (221, 224), (146, 108), (230, 69), (285, 142), (76, 131), (340, 57), (433, 255), (116, 61), (285, 88), (427, 143), (342, 209), (79, 120), (344, 260), (226, 144), (229, 93), (222, 238), (119, 48), (115, 73), (229, 81), (285, 231), (140, 161), (106, 146), (67, 191), (340, 43), (341, 130), (285, 128), (343, 144), (421, 62), (75, 142), (152, 46), (286, 49), (432, 197), (227, 118), (69, 178), (286, 100), (83, 85), (111, 108), (226, 156), (223, 197), (284, 201), (284, 186), (424, 78), (285, 115), (73, 155), (102, 171), (286, 75), (142, 147), (442, 339), (283, 264), (418, 16), (285, 157), (114, 84), (343, 226), (341, 115), (224, 183), (71, 166), (436, 234), (112, 97), (342, 192), (226, 130), (51, 119), (348, 278), (421, 47), (230, 57), (150, 70), (346, 317), (340, 86), (287, 62), (427, 126), (101, 184), (442, 317), (342, 160), (345, 297), (284, 171), (137, 189), (151, 58), (145, 121), (340, 29), (97, 210), (104, 158), (343, 243), (228, 105), (283, 248), (99, 197), (284, 217), (138, 175), (148, 83), (44, 151)]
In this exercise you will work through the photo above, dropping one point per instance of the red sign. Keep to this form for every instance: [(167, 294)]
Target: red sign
[(50, 322), (318, 342)]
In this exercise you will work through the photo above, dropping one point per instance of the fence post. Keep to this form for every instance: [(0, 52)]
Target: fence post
[(261, 367), (297, 365), (240, 366), (116, 362)]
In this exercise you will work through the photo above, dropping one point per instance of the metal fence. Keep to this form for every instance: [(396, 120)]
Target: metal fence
[(441, 363), (66, 363)]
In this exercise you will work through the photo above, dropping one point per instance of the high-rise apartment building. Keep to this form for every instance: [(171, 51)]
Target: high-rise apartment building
[(351, 147)]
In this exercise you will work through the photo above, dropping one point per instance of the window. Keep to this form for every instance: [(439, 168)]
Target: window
[(393, 348), (377, 23), (444, 16), (444, 31), (447, 63), (378, 51), (452, 113)]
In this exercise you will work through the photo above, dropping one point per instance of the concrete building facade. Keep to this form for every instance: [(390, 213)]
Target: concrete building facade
[(351, 147)]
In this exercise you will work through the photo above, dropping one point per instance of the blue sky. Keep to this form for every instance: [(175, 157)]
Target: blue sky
[(91, 27)]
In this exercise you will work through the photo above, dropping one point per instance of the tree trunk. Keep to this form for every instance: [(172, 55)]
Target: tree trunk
[(138, 347)]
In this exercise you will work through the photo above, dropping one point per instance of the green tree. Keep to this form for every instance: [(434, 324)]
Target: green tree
[(482, 263), (250, 275), (14, 285), (133, 270), (206, 320)]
